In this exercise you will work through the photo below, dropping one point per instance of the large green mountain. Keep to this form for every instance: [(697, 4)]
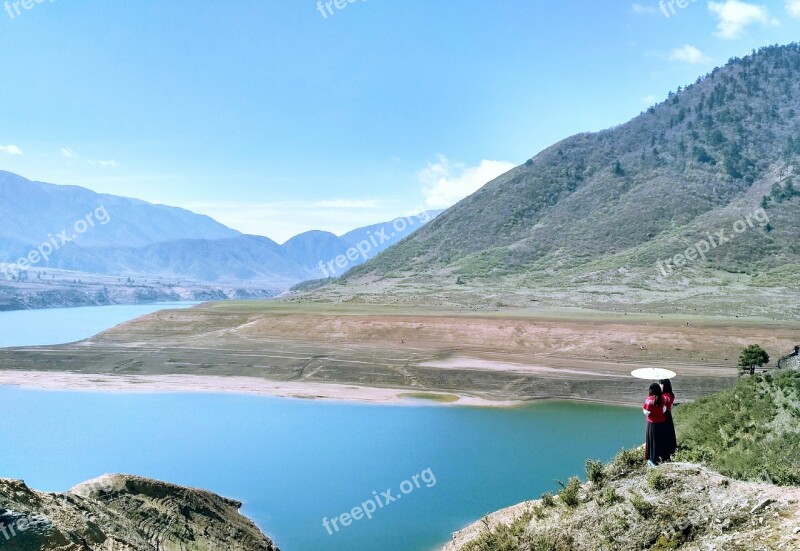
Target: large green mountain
[(606, 207)]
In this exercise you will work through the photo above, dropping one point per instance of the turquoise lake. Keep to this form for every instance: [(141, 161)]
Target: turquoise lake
[(294, 462), (62, 325)]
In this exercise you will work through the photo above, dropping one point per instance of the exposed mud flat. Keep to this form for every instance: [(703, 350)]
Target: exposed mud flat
[(485, 358)]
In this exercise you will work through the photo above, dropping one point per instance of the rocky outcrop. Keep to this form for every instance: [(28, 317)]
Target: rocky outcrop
[(790, 361), (124, 513), (674, 506)]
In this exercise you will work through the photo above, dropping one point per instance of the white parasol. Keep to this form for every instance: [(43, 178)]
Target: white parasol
[(653, 373)]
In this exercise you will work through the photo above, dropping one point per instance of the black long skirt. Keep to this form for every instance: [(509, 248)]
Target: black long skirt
[(658, 442), (672, 440)]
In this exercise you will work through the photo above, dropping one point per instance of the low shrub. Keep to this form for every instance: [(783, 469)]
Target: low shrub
[(642, 506), (569, 492), (594, 471)]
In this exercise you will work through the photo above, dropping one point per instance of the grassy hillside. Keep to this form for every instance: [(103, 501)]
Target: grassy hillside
[(750, 433), (620, 200)]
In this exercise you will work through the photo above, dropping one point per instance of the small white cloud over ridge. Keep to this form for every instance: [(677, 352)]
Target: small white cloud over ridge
[(734, 16), (688, 54), (11, 149), (446, 182)]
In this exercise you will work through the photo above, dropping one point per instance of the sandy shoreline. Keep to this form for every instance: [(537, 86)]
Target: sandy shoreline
[(375, 355), (154, 384), (510, 367)]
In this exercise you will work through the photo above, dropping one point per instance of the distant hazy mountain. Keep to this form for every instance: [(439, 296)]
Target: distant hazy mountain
[(640, 201), (242, 259), (129, 237), (318, 251), (32, 211), (312, 247), (387, 234)]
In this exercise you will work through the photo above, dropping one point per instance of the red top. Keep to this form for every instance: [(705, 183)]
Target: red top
[(656, 411), (669, 399)]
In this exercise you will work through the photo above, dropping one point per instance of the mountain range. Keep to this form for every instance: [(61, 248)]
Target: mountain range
[(83, 231), (698, 189), (695, 189)]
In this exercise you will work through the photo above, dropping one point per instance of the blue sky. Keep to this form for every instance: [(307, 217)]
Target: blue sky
[(275, 118)]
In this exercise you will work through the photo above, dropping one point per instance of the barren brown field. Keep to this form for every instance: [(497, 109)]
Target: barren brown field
[(503, 356)]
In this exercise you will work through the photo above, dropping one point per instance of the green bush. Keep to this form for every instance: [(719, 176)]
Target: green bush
[(503, 537), (664, 543), (594, 471), (569, 492), (610, 496), (657, 480), (627, 461), (642, 506)]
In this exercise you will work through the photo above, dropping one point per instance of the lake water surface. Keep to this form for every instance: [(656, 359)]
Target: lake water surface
[(295, 462), (61, 325)]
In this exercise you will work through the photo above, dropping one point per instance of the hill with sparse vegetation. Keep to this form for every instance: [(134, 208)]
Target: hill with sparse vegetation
[(604, 208)]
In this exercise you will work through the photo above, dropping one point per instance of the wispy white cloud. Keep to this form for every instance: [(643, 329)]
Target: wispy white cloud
[(11, 149), (446, 182), (643, 10), (104, 163), (688, 54), (347, 204), (68, 153), (793, 7), (648, 100), (734, 16)]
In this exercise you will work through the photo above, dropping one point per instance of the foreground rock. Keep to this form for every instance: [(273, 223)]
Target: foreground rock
[(123, 513), (676, 506)]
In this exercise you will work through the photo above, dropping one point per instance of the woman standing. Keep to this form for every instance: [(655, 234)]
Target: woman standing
[(657, 442), (669, 400)]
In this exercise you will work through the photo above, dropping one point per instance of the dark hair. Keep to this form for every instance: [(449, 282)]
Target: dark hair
[(655, 390), (666, 386)]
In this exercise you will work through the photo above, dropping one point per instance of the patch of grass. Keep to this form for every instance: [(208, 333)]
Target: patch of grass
[(664, 543), (594, 471), (569, 492), (627, 462), (503, 537), (609, 496), (550, 542), (432, 396), (642, 506), (657, 480), (483, 263), (548, 500), (539, 512)]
